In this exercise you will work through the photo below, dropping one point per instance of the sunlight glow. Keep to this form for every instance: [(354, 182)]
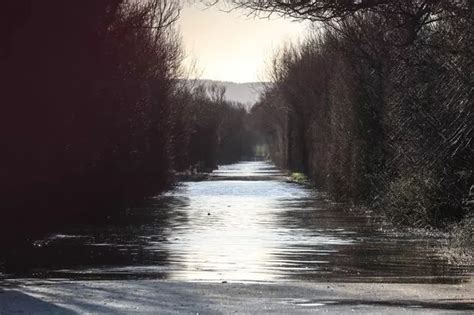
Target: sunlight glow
[(232, 46)]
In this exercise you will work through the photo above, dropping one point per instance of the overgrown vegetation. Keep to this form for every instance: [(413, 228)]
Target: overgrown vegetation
[(460, 245), (209, 129), (376, 104), (94, 114)]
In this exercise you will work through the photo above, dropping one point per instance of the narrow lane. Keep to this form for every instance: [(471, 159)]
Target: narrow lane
[(244, 224)]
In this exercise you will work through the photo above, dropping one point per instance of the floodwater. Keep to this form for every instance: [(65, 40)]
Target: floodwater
[(244, 224)]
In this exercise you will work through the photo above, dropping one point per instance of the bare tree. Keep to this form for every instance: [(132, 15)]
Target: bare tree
[(378, 107), (409, 16)]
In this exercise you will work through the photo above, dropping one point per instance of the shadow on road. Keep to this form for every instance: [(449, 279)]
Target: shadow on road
[(14, 302), (450, 304)]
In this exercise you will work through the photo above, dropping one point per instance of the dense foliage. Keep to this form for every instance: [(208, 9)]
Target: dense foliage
[(376, 106), (209, 129), (93, 114)]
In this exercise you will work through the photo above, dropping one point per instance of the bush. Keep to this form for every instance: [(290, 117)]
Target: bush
[(377, 109), (412, 199)]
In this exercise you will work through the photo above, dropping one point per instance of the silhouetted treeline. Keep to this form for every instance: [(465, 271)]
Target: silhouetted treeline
[(376, 105), (209, 130), (93, 115), (85, 89)]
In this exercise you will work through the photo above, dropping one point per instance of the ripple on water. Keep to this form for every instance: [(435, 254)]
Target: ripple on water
[(250, 225)]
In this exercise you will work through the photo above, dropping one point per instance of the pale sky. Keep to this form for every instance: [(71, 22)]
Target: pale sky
[(231, 46)]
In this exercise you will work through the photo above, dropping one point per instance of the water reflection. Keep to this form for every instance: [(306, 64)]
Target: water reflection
[(234, 230), (244, 224)]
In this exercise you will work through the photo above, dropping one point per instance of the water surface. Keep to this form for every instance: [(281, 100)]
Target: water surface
[(246, 223)]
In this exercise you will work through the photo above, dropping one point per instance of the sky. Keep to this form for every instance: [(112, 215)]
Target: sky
[(232, 46)]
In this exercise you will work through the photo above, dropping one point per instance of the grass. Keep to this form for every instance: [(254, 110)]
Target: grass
[(299, 178)]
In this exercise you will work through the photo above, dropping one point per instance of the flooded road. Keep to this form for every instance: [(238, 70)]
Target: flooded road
[(244, 224)]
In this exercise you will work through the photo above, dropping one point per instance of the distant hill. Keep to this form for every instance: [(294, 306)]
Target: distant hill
[(246, 93)]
